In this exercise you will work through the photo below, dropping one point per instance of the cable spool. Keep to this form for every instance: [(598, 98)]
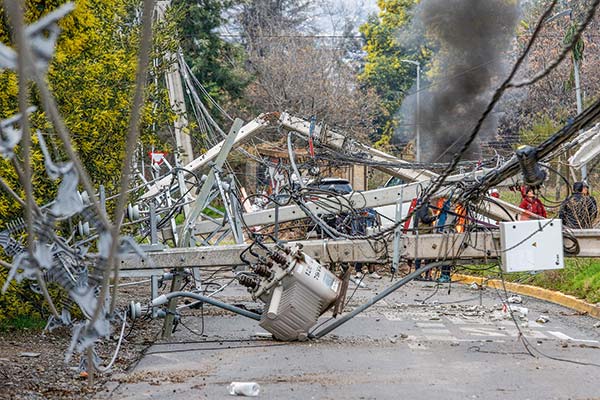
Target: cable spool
[(572, 249)]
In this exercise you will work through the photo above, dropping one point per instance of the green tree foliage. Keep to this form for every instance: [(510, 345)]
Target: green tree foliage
[(91, 76), (389, 40)]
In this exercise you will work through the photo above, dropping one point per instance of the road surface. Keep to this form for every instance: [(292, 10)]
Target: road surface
[(419, 343)]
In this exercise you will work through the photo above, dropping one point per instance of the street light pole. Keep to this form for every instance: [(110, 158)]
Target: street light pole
[(569, 12), (579, 106), (418, 119)]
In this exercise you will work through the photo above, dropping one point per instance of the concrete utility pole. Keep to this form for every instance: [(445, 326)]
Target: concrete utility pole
[(418, 119), (176, 98), (183, 154)]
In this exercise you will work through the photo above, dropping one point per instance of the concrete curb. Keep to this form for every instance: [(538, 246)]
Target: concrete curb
[(559, 298)]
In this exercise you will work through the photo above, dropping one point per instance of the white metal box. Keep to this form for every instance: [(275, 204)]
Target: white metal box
[(531, 245)]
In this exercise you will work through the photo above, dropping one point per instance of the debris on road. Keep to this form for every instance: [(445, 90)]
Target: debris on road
[(249, 389), (515, 299), (542, 319), (29, 354), (523, 311)]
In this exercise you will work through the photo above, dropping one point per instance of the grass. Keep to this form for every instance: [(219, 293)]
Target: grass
[(22, 322), (580, 278)]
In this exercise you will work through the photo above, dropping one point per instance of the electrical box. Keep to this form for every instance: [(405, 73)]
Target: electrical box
[(532, 245)]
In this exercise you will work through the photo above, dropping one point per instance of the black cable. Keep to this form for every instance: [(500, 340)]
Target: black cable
[(201, 333), (217, 348)]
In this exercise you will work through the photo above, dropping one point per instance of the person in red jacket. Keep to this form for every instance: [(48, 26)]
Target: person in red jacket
[(531, 203)]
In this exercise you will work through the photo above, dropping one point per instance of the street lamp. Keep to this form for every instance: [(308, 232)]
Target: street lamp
[(418, 128), (569, 12)]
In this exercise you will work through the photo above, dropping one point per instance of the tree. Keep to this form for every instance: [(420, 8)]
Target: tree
[(553, 98), (260, 18), (386, 46), (308, 79), (216, 63), (91, 76)]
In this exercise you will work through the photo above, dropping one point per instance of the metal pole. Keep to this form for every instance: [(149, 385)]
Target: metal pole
[(418, 140), (418, 113), (579, 105), (162, 299), (191, 219)]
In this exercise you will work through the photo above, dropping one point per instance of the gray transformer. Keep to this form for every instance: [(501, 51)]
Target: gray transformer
[(297, 291)]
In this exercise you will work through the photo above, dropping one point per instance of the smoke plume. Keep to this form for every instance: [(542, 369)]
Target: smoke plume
[(470, 38)]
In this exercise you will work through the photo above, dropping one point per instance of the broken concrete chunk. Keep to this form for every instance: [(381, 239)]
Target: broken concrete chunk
[(542, 319), (29, 354), (523, 311), (515, 299)]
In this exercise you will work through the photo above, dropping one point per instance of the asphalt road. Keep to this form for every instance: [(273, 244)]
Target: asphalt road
[(457, 345)]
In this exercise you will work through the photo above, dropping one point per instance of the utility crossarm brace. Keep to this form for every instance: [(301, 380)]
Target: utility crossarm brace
[(430, 247), (248, 131)]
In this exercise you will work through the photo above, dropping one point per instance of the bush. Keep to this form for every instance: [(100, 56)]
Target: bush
[(19, 303)]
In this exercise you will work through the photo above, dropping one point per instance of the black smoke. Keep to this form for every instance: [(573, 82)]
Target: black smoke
[(471, 39)]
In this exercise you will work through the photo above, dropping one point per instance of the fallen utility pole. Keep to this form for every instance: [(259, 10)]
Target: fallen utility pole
[(495, 208), (458, 246)]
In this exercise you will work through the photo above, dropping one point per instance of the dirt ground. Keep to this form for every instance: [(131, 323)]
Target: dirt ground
[(44, 374)]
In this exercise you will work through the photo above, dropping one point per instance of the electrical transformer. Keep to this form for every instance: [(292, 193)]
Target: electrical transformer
[(296, 290)]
